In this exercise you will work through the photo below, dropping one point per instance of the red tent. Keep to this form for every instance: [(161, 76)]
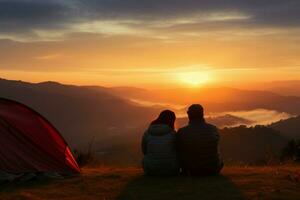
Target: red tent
[(29, 143)]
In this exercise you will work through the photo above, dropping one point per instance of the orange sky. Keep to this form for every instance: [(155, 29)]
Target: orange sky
[(227, 45)]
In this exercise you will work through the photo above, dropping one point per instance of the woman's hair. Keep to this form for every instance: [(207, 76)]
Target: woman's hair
[(166, 117)]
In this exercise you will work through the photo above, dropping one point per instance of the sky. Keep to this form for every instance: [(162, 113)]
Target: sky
[(153, 43)]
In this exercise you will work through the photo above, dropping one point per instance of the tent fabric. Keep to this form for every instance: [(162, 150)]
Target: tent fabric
[(29, 143)]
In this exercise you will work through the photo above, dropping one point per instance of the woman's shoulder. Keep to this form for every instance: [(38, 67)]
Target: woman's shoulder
[(160, 129)]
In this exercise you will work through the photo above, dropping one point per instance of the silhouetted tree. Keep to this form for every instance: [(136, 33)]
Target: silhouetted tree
[(252, 145), (297, 156), (291, 151)]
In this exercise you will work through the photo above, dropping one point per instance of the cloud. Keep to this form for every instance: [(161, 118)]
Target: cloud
[(52, 19), (26, 16), (263, 11), (48, 57)]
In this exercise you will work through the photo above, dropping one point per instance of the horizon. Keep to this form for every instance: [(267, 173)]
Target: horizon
[(116, 43), (246, 86)]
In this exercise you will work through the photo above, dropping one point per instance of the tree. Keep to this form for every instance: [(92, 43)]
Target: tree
[(291, 151)]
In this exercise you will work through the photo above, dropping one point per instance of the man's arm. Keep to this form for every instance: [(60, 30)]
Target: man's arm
[(216, 134)]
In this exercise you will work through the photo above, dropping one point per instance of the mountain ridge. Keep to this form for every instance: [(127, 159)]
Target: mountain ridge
[(289, 128)]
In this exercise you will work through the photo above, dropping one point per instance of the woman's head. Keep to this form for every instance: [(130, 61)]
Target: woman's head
[(166, 117)]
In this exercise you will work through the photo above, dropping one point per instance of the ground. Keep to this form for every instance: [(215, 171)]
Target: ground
[(104, 183)]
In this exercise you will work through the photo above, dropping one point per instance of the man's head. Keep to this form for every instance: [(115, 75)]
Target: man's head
[(195, 111)]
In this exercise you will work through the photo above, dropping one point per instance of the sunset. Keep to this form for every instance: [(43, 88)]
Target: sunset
[(149, 99), (127, 43)]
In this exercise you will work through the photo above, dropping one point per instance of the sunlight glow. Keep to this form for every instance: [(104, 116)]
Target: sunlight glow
[(195, 78)]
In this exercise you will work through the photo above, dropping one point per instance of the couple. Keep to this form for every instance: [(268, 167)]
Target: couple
[(193, 150)]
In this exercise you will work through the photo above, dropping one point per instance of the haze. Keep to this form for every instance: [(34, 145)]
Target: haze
[(150, 43)]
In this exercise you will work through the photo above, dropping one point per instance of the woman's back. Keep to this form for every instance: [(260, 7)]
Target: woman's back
[(159, 150)]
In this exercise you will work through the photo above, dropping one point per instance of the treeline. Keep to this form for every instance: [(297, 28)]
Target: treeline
[(291, 152), (251, 145)]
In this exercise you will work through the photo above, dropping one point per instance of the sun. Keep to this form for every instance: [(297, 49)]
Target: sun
[(194, 79)]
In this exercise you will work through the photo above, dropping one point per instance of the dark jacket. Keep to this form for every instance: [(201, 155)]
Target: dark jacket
[(159, 149), (197, 145)]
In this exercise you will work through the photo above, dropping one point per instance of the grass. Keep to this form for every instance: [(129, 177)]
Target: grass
[(279, 182)]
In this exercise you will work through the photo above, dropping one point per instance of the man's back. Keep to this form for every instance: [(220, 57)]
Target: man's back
[(198, 148)]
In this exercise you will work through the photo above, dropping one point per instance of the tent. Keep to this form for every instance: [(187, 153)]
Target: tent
[(29, 143)]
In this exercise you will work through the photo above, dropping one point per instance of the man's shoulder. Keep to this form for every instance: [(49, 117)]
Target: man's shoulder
[(206, 125), (211, 126), (183, 129), (213, 130)]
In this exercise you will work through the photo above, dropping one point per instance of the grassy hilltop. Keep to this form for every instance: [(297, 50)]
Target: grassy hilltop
[(279, 182)]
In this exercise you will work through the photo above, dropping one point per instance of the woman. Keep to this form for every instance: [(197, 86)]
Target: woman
[(158, 146)]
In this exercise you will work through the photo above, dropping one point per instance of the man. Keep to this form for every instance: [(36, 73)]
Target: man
[(197, 145)]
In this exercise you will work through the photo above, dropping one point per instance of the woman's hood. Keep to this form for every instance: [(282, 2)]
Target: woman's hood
[(159, 129)]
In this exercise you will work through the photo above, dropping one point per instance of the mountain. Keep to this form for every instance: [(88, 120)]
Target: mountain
[(115, 124), (222, 99), (219, 121), (254, 145), (81, 114), (287, 88), (289, 128)]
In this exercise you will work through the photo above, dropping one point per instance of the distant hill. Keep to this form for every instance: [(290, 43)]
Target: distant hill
[(287, 88), (289, 128), (222, 99), (219, 121), (80, 114), (115, 124), (251, 145)]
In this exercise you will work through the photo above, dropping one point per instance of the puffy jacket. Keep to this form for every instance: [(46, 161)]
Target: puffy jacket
[(197, 145), (159, 149)]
